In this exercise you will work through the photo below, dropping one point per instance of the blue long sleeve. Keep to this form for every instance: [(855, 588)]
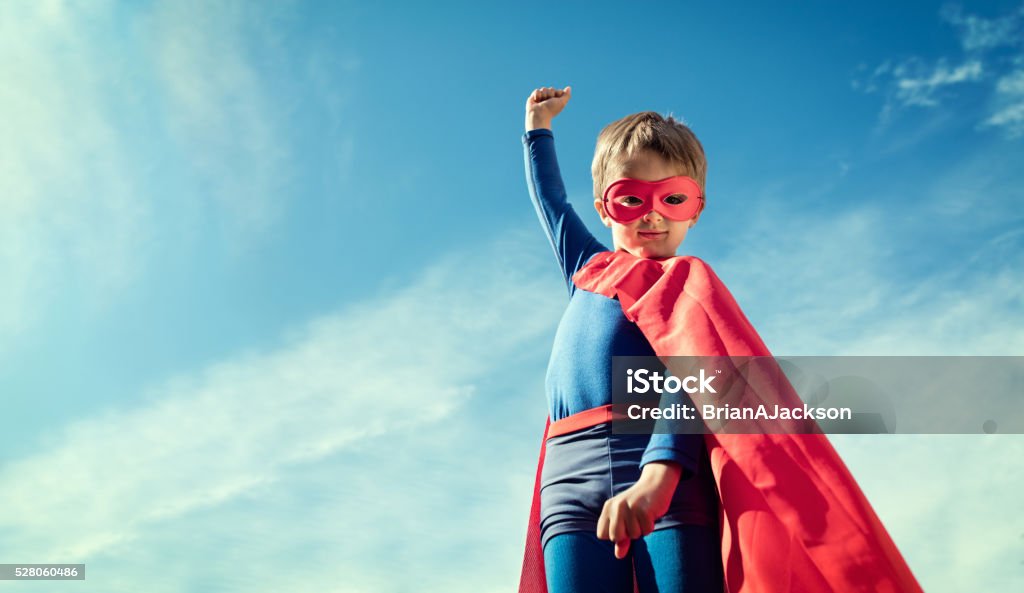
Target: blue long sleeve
[(569, 237), (680, 448), (593, 328)]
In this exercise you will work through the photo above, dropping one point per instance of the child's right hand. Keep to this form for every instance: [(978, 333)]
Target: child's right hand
[(544, 104)]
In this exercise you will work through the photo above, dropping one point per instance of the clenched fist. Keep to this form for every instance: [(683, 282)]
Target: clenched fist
[(631, 514), (544, 104)]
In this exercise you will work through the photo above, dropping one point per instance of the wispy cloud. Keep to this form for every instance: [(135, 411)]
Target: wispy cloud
[(920, 90), (361, 419), (70, 206), (222, 113), (380, 448), (126, 132), (832, 282), (836, 284), (978, 33), (950, 502), (917, 82), (1008, 102), (912, 82)]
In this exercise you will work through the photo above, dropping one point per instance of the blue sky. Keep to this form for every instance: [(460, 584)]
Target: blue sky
[(273, 295)]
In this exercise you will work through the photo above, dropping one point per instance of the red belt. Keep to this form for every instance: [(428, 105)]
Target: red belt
[(584, 419)]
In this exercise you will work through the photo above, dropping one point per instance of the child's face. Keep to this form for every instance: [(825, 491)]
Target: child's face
[(652, 235)]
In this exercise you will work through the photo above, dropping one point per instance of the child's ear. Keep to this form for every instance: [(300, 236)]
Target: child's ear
[(696, 217), (599, 206)]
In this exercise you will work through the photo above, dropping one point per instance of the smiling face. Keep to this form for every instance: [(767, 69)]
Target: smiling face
[(652, 235)]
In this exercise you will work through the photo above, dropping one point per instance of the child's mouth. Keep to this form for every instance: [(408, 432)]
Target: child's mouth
[(653, 234)]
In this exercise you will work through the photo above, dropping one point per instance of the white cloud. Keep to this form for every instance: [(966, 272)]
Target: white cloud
[(126, 131), (950, 502), (1013, 83), (832, 285), (70, 211), (221, 113), (279, 461), (914, 89), (911, 82), (1008, 103), (1010, 117), (835, 283), (979, 33), (323, 416)]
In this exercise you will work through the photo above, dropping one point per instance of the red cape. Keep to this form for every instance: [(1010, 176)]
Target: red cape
[(792, 517)]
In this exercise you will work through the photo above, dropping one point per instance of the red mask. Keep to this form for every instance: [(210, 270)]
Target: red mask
[(678, 198)]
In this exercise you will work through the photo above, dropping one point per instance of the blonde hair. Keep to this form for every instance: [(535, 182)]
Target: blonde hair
[(647, 130)]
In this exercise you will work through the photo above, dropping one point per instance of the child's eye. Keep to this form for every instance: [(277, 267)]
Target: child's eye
[(676, 199), (630, 201)]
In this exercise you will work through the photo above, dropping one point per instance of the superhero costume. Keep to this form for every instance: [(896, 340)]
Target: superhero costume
[(792, 518)]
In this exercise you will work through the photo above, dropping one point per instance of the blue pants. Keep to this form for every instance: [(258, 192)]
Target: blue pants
[(683, 559)]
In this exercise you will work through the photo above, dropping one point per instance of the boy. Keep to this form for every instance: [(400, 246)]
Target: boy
[(746, 513), (662, 485)]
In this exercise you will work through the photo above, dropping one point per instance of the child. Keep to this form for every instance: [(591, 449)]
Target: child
[(662, 484), (669, 512)]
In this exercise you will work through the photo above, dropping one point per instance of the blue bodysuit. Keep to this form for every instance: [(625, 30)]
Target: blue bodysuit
[(592, 330)]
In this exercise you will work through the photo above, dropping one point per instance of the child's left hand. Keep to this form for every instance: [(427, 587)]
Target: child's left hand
[(631, 514)]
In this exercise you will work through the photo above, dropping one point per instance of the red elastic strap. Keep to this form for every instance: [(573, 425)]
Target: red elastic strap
[(581, 420)]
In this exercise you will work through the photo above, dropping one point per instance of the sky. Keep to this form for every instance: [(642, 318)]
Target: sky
[(275, 307)]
